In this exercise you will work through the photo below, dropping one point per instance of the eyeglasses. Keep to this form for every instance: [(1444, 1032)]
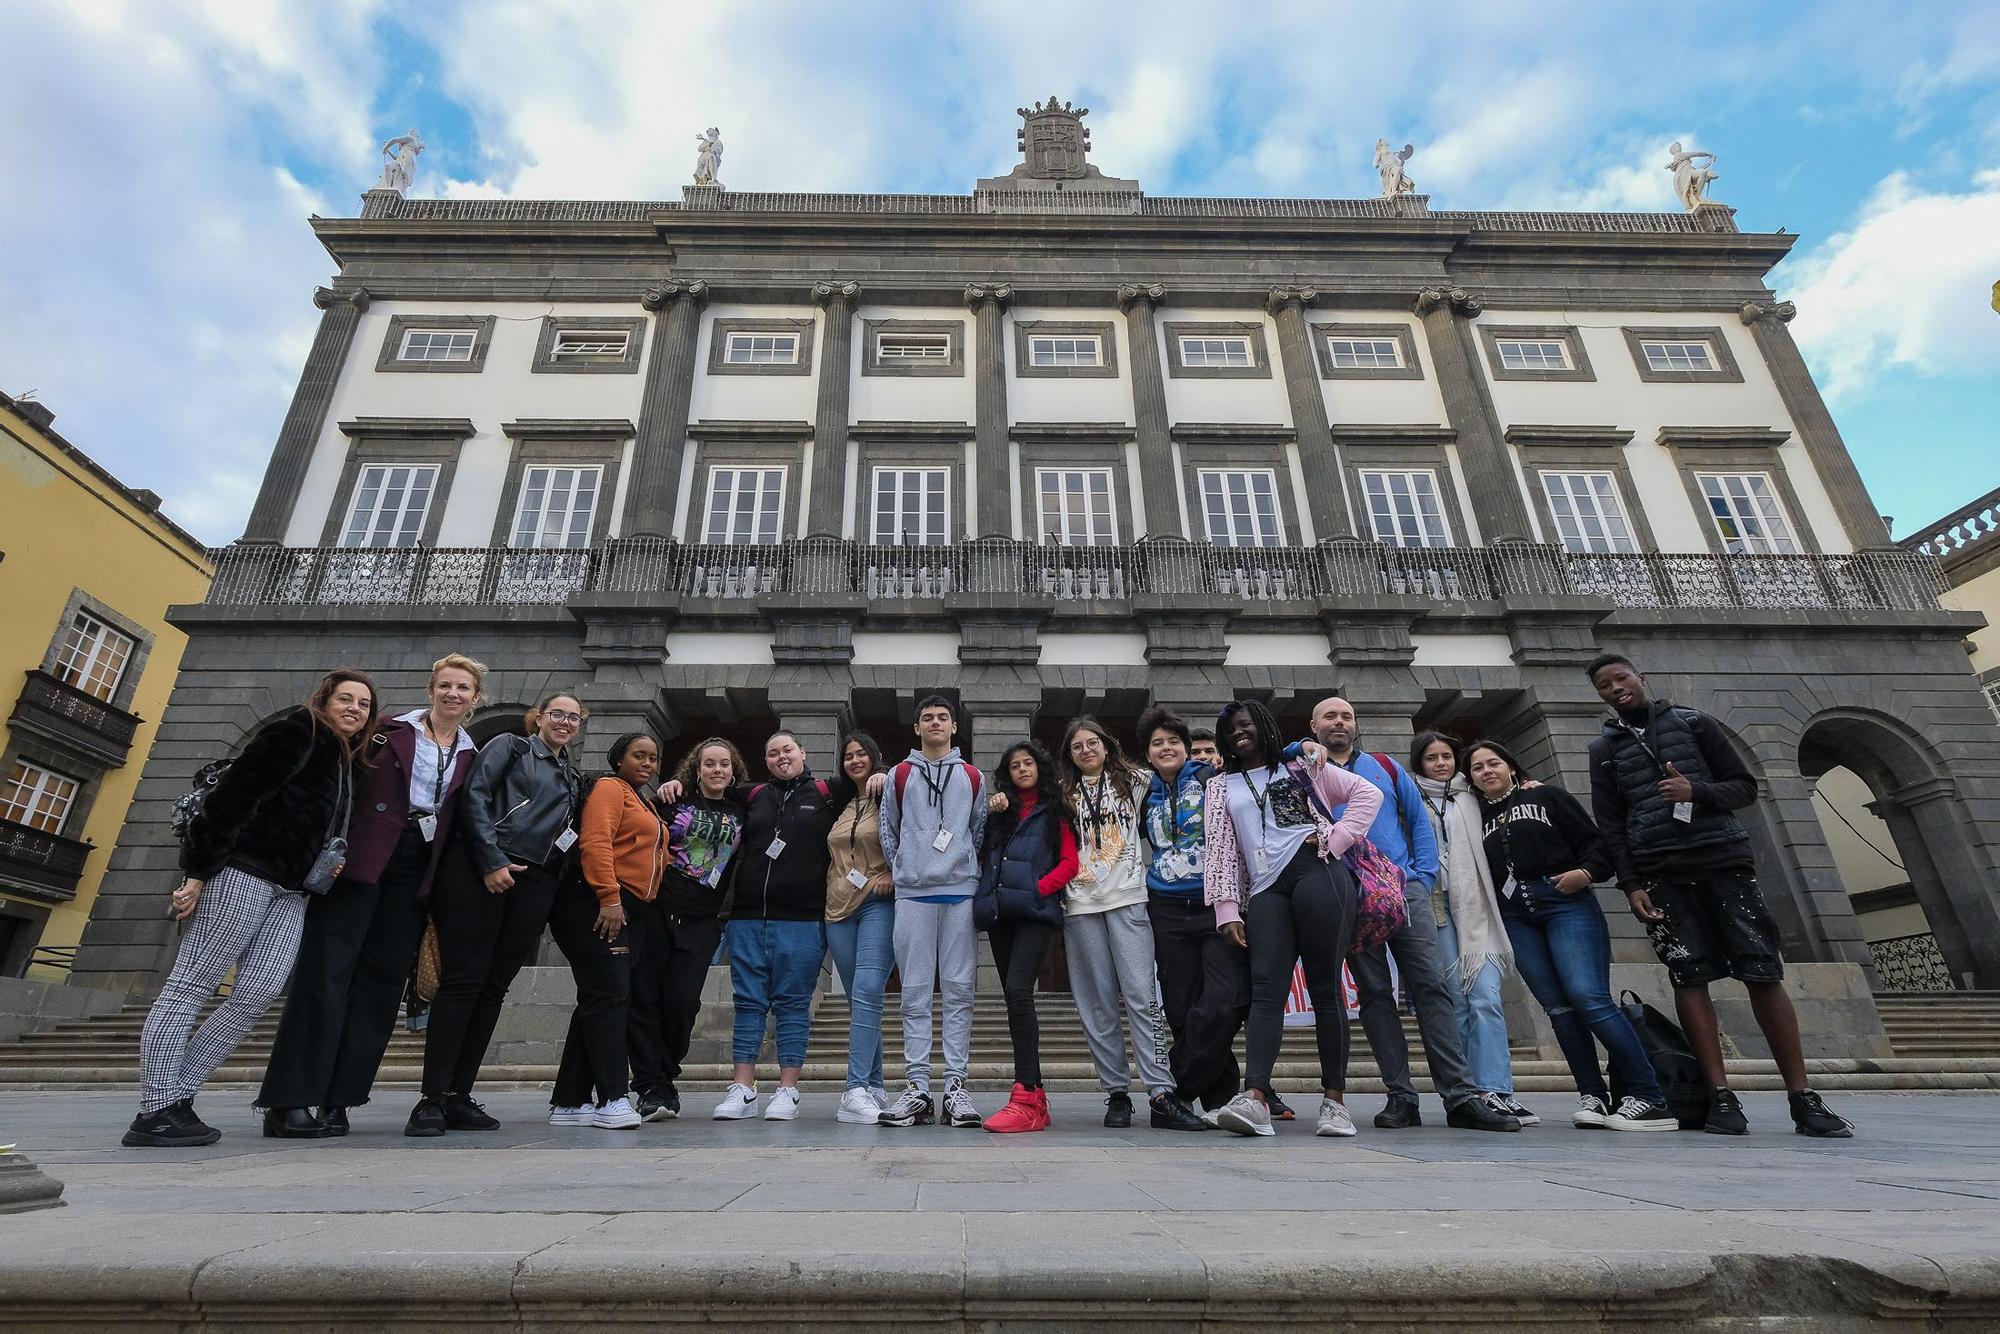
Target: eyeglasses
[(562, 716)]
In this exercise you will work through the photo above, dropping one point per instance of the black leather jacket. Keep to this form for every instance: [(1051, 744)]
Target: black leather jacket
[(518, 800)]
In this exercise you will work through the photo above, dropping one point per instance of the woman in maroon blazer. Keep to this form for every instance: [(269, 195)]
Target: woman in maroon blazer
[(362, 936)]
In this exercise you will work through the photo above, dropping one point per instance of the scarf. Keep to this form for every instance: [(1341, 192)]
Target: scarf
[(1468, 882)]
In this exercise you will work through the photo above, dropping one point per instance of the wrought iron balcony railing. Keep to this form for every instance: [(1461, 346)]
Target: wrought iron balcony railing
[(46, 866), (74, 719), (481, 576)]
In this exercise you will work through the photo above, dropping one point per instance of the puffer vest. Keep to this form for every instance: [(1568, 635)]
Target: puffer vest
[(1651, 831)]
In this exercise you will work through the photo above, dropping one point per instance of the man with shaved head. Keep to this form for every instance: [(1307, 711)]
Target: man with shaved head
[(1402, 831)]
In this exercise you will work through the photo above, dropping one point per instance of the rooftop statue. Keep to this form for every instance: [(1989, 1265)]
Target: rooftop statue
[(1390, 163), (399, 167), (1692, 174), (708, 160)]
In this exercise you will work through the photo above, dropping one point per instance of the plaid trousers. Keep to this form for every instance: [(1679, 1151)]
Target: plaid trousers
[(239, 920)]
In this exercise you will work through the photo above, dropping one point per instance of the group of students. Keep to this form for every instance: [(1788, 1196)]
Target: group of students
[(1187, 887)]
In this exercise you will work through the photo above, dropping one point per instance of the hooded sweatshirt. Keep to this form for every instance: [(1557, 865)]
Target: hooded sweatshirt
[(923, 800)]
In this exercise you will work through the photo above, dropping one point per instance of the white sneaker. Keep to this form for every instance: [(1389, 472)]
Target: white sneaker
[(1590, 1112), (958, 1108), (784, 1105), (1333, 1119), (858, 1108), (618, 1114), (737, 1104), (1245, 1115), (881, 1097), (570, 1116)]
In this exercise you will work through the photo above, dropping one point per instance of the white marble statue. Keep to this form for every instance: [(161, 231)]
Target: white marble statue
[(1692, 174), (1390, 163), (399, 167), (708, 161)]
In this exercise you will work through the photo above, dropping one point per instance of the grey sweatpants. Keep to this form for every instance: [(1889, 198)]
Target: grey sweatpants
[(936, 945), (1109, 953)]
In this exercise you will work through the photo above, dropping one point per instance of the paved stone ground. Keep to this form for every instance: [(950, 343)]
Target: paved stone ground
[(815, 1223)]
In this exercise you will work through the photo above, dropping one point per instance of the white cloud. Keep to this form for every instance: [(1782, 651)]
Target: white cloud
[(1907, 287)]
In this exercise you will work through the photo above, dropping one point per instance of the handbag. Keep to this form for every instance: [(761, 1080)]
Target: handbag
[(429, 964), (1380, 908), (333, 851)]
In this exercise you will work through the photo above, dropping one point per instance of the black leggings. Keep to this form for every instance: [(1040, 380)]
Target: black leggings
[(670, 958), (1306, 916), (1019, 950), (593, 1054), (483, 940)]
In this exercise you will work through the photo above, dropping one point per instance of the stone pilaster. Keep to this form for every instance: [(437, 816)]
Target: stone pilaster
[(1468, 403), (989, 302), (836, 355), (663, 413), (999, 686), (285, 474), (1317, 455), (1821, 438), (814, 706), (1159, 479)]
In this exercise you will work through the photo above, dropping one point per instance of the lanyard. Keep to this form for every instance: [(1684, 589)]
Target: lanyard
[(1261, 798), (1644, 745), (937, 778), (1093, 805), (860, 807), (439, 779), (1443, 810)]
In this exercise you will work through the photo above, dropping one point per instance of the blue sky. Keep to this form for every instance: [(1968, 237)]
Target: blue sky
[(160, 159)]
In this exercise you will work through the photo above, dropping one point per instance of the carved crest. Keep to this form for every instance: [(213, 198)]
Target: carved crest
[(1054, 140)]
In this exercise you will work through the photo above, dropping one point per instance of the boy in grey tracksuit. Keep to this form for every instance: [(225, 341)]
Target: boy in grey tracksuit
[(933, 820)]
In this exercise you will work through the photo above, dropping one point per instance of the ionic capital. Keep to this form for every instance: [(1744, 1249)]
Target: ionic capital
[(659, 295), (1278, 298), (1455, 299), (978, 294), (826, 293), (1752, 311), (326, 298), (1151, 294)]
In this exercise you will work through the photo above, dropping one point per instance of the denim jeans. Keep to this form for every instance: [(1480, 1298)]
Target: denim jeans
[(1563, 949), (1482, 1021), (773, 968), (863, 945)]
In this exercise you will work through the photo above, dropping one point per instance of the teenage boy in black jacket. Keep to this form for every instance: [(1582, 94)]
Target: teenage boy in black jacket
[(1663, 783)]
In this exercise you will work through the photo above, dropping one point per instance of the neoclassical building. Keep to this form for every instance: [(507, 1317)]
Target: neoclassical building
[(1058, 446)]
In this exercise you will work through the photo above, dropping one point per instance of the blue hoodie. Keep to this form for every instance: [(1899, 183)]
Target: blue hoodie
[(1402, 829), (1174, 832)]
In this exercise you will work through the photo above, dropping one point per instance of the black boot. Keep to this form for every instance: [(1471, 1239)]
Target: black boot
[(1400, 1114), (336, 1120), (292, 1123), (1118, 1111)]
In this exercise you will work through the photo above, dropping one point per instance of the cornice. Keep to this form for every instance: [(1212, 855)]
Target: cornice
[(1391, 433), (1056, 433), (749, 432), (1609, 437), (1231, 433), (569, 428), (911, 430), (1721, 437), (405, 428)]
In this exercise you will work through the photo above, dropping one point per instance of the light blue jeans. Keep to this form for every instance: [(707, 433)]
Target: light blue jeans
[(773, 968), (863, 945), (1482, 1021)]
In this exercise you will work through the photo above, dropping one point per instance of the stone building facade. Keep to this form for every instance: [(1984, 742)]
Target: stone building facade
[(1057, 446)]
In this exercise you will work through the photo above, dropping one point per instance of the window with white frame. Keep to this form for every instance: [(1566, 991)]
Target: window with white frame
[(1747, 514), (1533, 354), (1673, 354), (1240, 507), (36, 797), (572, 343), (558, 505), (92, 656), (1065, 350), (761, 349), (746, 506), (391, 501), (1075, 506), (1215, 350), (912, 507), (1588, 513), (1366, 354), (1404, 509), (437, 345), (903, 348)]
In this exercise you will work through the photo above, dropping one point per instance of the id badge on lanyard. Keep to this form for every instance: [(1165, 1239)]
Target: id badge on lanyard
[(427, 825)]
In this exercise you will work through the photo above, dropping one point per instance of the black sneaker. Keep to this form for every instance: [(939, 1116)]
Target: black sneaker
[(652, 1107), (1118, 1111), (1810, 1117), (1276, 1106), (1171, 1113), (1635, 1113), (427, 1119), (1725, 1114), (1475, 1113), (1400, 1114), (171, 1127), (1508, 1103), (462, 1113)]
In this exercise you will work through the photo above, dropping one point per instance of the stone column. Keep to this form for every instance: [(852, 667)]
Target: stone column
[(285, 474), (992, 487), (1956, 887), (1159, 479), (1324, 489), (1821, 438), (663, 413), (1468, 403), (829, 474)]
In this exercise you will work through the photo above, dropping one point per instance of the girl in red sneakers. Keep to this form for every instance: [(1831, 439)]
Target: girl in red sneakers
[(1029, 856)]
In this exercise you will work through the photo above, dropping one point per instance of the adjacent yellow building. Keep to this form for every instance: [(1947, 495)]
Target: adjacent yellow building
[(88, 568)]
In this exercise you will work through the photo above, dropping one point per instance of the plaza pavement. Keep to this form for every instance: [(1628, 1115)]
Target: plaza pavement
[(815, 1225)]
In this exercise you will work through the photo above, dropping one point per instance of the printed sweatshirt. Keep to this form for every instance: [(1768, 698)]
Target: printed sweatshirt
[(1111, 854)]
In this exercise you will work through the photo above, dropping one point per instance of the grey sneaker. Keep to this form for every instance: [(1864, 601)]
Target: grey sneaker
[(912, 1109), (1245, 1115), (1333, 1119), (958, 1108)]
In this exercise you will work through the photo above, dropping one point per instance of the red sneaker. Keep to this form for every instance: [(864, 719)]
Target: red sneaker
[(1027, 1109)]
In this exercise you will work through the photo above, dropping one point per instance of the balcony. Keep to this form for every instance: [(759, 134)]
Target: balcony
[(43, 866), (78, 722), (1331, 573)]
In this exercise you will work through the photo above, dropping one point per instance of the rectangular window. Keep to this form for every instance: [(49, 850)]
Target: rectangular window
[(1669, 355), (911, 507), (391, 501), (1232, 350), (93, 656), (906, 347), (1533, 354), (745, 506), (1747, 514), (1240, 507), (1075, 506), (557, 507), (36, 797), (1372, 354), (1403, 508), (591, 343), (1065, 350), (1588, 514), (436, 345), (762, 349)]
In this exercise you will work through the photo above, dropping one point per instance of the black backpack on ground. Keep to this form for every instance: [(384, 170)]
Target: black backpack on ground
[(1673, 1062)]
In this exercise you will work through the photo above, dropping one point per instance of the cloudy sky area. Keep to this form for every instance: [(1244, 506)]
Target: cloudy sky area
[(162, 156)]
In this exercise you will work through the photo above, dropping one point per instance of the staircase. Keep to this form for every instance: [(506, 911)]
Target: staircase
[(1942, 1024)]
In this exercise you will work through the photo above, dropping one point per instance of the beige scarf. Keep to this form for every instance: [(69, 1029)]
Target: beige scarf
[(1468, 882)]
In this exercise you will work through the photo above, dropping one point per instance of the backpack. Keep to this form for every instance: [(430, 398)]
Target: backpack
[(819, 785), (1673, 1062), (189, 803), (972, 774)]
